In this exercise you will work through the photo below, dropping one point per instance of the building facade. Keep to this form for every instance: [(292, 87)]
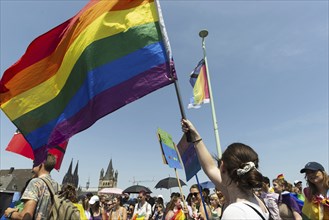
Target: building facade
[(109, 179)]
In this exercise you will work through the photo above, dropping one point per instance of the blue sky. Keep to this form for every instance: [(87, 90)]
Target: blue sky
[(268, 62)]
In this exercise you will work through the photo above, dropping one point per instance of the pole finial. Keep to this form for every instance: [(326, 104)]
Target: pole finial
[(203, 33)]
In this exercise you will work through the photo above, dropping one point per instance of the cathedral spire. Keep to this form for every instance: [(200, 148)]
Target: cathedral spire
[(109, 171), (76, 176), (76, 169), (68, 178), (70, 168)]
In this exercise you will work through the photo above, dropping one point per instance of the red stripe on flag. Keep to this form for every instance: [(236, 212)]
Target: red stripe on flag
[(20, 146)]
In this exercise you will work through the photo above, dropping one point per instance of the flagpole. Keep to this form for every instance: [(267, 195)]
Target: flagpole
[(180, 189), (203, 34), (202, 198), (180, 103)]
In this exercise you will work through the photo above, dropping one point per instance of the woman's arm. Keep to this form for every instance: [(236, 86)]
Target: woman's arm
[(296, 215), (169, 215)]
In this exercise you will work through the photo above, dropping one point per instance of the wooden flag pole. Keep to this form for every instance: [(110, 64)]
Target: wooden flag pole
[(180, 189), (203, 34)]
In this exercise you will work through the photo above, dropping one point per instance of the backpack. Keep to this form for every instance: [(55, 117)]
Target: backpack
[(61, 208)]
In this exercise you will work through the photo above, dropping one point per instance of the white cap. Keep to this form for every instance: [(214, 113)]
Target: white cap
[(297, 181), (93, 199)]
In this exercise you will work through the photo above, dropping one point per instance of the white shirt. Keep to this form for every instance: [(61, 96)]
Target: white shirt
[(239, 210), (143, 210)]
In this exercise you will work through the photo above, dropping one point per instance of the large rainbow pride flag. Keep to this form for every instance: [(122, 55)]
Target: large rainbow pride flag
[(110, 54), (199, 82)]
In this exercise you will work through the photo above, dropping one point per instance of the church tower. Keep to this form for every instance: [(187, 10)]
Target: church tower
[(71, 178), (109, 179)]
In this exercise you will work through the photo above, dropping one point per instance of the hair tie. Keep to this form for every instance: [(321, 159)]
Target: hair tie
[(245, 169)]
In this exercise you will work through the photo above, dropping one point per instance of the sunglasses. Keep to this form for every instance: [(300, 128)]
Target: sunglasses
[(194, 194)]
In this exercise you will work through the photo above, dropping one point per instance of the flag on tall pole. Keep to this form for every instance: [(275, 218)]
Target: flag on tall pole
[(108, 55), (203, 34), (199, 82)]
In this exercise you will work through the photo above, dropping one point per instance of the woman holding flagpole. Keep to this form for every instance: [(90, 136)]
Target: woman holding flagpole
[(236, 176)]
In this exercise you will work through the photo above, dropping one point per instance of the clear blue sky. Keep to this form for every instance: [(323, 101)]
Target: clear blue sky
[(268, 62)]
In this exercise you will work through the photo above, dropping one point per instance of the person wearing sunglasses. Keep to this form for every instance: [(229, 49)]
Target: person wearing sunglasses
[(198, 209), (236, 176)]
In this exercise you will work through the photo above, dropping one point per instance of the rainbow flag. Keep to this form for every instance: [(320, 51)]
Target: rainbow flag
[(199, 82), (108, 55)]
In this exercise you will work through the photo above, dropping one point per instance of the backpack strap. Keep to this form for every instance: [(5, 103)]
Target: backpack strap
[(49, 185), (256, 211)]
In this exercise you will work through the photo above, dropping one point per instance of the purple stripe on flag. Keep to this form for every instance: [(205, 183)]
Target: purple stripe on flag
[(111, 100)]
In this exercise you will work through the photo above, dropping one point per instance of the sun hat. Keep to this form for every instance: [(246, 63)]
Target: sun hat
[(312, 166), (93, 199)]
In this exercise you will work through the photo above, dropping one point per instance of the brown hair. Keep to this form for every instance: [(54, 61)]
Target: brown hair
[(172, 202), (196, 186), (50, 162), (235, 157), (313, 189), (69, 192), (282, 182)]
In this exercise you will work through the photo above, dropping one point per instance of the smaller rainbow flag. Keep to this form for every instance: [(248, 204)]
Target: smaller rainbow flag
[(199, 82)]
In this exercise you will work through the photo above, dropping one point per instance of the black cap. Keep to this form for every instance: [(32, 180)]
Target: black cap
[(312, 166)]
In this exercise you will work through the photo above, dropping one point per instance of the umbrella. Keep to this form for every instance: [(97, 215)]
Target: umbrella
[(207, 184), (111, 191), (168, 183), (136, 189)]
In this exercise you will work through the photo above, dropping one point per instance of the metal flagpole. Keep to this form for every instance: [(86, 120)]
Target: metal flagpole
[(203, 34)]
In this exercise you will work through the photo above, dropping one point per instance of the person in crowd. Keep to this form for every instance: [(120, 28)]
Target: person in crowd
[(86, 207), (205, 194), (102, 202), (316, 204), (158, 213), (96, 211), (36, 197), (221, 197), (198, 208), (68, 191), (299, 190), (270, 200), (175, 210), (288, 207), (130, 211), (299, 185), (125, 200), (215, 207), (236, 176), (158, 201), (142, 208), (267, 181), (150, 199), (118, 212)]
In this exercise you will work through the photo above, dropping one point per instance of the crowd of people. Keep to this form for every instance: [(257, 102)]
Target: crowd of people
[(241, 192)]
